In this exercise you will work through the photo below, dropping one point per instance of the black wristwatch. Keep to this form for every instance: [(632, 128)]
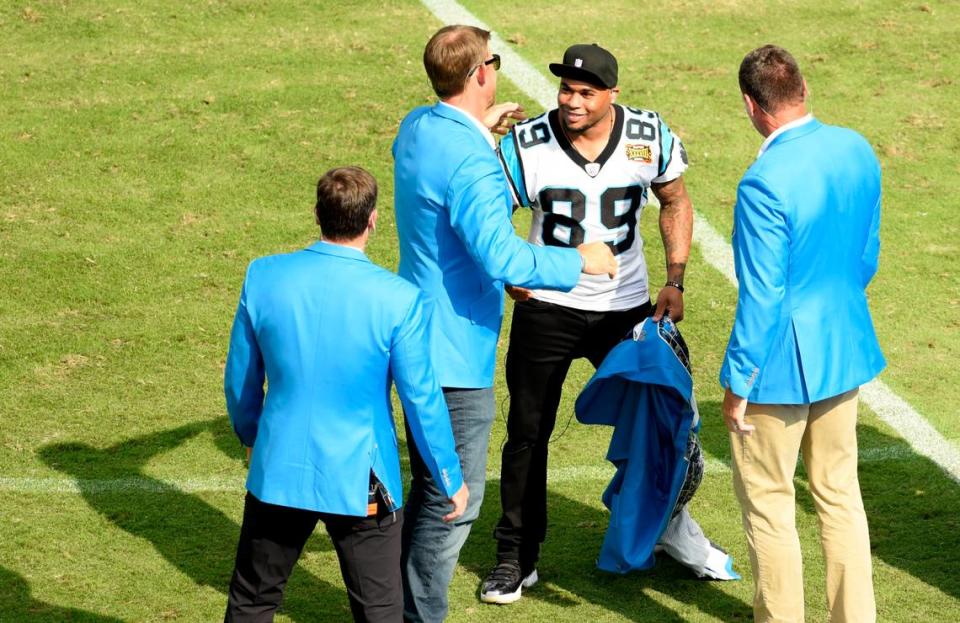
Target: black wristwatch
[(674, 284)]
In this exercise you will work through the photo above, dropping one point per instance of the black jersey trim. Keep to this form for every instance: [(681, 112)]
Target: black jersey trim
[(571, 151), (663, 166), (660, 168), (506, 172), (525, 198)]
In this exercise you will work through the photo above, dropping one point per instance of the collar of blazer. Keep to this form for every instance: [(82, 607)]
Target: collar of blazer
[(793, 133), (338, 250), (449, 111)]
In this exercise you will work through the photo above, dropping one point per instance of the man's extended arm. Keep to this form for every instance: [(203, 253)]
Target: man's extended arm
[(676, 230), (480, 217), (425, 408)]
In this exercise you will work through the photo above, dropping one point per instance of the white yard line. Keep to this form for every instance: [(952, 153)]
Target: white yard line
[(121, 485), (922, 437), (235, 484), (889, 407)]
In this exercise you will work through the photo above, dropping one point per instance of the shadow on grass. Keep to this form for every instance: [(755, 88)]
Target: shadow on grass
[(19, 606), (569, 574), (913, 507), (192, 535)]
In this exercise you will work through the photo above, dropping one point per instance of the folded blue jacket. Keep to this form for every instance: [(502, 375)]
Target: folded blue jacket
[(645, 391)]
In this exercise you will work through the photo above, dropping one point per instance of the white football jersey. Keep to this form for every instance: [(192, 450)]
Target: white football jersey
[(576, 201)]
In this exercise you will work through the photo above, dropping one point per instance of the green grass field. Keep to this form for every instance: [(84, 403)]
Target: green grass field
[(151, 149)]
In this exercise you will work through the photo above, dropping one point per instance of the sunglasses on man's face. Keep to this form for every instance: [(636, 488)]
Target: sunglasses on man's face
[(493, 60)]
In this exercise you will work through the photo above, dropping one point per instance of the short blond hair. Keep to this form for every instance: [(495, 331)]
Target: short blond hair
[(450, 55)]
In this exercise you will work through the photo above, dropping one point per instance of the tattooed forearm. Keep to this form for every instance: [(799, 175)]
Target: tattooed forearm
[(676, 226), (675, 271)]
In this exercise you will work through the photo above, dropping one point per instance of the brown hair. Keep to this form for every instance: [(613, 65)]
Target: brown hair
[(346, 196), (771, 77), (450, 55)]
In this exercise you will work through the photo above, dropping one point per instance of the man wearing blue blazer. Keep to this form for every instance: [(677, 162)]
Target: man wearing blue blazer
[(457, 244), (329, 331), (805, 242)]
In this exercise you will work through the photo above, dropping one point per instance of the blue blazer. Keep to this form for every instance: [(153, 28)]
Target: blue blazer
[(457, 242), (805, 243), (328, 330)]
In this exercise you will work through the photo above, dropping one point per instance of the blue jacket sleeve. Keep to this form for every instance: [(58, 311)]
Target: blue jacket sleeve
[(244, 375), (870, 259), (761, 242), (423, 402), (480, 217)]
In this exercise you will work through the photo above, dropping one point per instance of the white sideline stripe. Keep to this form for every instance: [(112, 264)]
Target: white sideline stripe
[(922, 437), (714, 248), (575, 473), (889, 407), (235, 484), (121, 485)]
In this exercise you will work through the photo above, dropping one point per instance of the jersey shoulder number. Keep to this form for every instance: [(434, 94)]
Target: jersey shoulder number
[(516, 157), (532, 132), (649, 126)]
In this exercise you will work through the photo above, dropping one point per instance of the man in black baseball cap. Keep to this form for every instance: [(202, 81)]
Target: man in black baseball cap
[(588, 90), (585, 169), (587, 62)]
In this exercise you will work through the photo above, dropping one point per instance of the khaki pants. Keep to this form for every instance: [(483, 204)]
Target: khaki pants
[(763, 468)]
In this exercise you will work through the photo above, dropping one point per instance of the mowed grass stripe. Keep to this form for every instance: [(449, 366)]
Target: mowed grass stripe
[(889, 407)]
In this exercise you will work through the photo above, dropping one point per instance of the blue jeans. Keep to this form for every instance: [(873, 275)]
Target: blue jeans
[(430, 546)]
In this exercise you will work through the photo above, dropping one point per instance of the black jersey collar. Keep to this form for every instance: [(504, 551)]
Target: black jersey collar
[(572, 152)]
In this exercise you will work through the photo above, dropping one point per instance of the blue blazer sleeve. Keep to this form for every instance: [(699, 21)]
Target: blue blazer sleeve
[(244, 375), (871, 251), (423, 402), (760, 249), (481, 219)]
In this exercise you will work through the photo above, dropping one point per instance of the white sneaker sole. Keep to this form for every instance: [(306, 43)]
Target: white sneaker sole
[(509, 598)]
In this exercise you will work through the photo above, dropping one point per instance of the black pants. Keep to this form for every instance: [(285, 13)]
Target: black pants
[(544, 340), (272, 538)]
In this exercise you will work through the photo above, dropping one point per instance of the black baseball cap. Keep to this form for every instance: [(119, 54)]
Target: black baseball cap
[(587, 62)]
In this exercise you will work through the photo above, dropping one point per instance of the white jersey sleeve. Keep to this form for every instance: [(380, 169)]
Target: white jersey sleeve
[(673, 157), (575, 201)]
